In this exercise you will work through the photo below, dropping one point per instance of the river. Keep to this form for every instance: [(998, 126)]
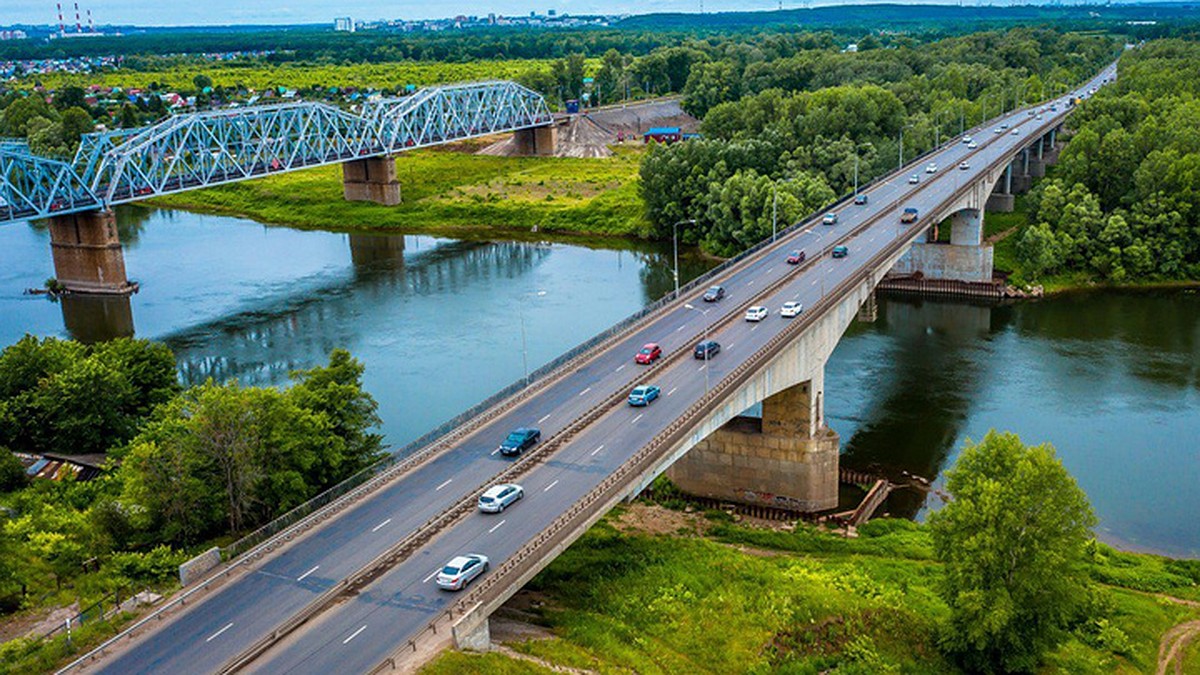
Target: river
[(1111, 379)]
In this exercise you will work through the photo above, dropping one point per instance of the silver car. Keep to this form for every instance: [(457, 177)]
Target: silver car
[(459, 572), (499, 497)]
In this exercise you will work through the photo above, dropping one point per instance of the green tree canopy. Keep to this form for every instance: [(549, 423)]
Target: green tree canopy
[(1013, 539)]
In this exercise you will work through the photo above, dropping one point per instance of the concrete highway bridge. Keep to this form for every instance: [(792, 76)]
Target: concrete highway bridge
[(351, 587), (217, 147)]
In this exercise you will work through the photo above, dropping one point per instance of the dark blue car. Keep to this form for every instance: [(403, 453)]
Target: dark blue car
[(643, 394), (520, 440)]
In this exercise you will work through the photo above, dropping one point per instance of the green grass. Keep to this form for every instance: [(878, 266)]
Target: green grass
[(449, 193), (747, 600)]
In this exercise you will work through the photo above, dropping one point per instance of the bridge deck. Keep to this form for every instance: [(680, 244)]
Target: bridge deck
[(361, 632)]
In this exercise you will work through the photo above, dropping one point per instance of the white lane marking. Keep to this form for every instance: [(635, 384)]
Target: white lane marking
[(432, 575), (497, 526), (680, 328), (381, 525), (597, 450), (302, 576), (354, 634), (814, 283), (620, 367), (214, 635), (547, 488), (448, 481), (729, 346), (544, 418), (769, 269), (750, 283), (585, 391), (672, 391), (755, 328), (634, 421), (700, 368), (495, 451)]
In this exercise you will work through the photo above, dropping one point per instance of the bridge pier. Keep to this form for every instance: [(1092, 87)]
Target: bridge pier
[(473, 632), (536, 141), (87, 253), (966, 258), (372, 179), (1001, 200), (788, 459)]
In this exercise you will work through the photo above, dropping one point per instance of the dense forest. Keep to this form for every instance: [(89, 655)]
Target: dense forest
[(785, 135), (1124, 201)]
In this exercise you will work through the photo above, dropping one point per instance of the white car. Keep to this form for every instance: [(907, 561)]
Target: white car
[(931, 167), (756, 313), (914, 179), (972, 145), (499, 497), (459, 572), (967, 138), (791, 309), (1015, 132), (830, 219), (997, 130), (963, 165), (1039, 117)]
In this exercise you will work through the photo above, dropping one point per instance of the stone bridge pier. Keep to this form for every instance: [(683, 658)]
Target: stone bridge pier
[(536, 141), (87, 253), (372, 179)]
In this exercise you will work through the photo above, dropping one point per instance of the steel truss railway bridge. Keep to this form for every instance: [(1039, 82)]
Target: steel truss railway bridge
[(348, 586), (202, 149)]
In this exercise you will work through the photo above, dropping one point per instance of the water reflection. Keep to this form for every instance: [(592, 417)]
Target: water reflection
[(96, 318)]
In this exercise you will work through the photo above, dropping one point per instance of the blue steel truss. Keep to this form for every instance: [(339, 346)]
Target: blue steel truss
[(198, 150)]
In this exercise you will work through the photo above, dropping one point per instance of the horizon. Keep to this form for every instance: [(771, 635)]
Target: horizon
[(146, 14)]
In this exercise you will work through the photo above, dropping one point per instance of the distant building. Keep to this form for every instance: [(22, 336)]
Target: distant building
[(13, 35), (663, 135), (343, 24), (851, 48)]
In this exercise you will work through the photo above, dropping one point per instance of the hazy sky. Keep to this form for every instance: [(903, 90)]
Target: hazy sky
[(216, 12)]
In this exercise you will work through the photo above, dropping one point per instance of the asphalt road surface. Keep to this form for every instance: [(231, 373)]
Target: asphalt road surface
[(360, 633)]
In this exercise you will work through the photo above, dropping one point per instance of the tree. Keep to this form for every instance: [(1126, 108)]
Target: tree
[(1013, 540), (202, 82)]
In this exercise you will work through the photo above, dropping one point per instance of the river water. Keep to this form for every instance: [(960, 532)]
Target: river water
[(1110, 379)]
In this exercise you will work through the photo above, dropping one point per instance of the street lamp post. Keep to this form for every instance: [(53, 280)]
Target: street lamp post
[(856, 172), (675, 246), (524, 346), (703, 312)]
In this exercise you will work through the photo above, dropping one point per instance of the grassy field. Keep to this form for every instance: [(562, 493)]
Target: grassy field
[(449, 193), (300, 76), (702, 594)]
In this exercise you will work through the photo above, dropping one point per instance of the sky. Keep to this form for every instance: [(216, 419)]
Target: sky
[(223, 12)]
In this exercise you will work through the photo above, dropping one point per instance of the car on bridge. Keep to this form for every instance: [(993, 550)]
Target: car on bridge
[(460, 571), (791, 309), (840, 251), (860, 199), (520, 440), (643, 394), (706, 349), (756, 313), (997, 130), (499, 497), (966, 139), (914, 179), (829, 219), (795, 257), (972, 145), (910, 215), (963, 165), (714, 294), (648, 354), (931, 167)]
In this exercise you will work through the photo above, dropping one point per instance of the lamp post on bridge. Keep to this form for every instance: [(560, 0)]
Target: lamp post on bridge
[(675, 246), (524, 347), (703, 312), (900, 162)]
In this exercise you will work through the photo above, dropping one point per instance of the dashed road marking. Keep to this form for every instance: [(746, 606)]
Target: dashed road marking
[(585, 391), (354, 634), (497, 526), (701, 368), (634, 420), (601, 447), (380, 526), (620, 367), (432, 575), (302, 576), (495, 451), (214, 635), (544, 418), (547, 488), (673, 390), (448, 481), (680, 328)]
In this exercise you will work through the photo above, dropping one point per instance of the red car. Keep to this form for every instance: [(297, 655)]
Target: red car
[(648, 354), (795, 257)]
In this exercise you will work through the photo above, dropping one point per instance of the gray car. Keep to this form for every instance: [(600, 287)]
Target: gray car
[(459, 572), (499, 497)]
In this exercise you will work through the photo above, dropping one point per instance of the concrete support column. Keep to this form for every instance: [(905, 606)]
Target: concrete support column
[(787, 460), (1041, 147), (1008, 179), (539, 141), (966, 228), (87, 253), (1025, 162), (372, 179), (473, 633)]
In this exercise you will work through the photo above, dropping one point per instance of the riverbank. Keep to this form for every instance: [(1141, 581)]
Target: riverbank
[(656, 590), (452, 193)]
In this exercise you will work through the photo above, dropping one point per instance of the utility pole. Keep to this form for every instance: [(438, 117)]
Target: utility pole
[(675, 246)]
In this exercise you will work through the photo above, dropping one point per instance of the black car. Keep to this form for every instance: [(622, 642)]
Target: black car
[(714, 294), (706, 350), (520, 440)]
